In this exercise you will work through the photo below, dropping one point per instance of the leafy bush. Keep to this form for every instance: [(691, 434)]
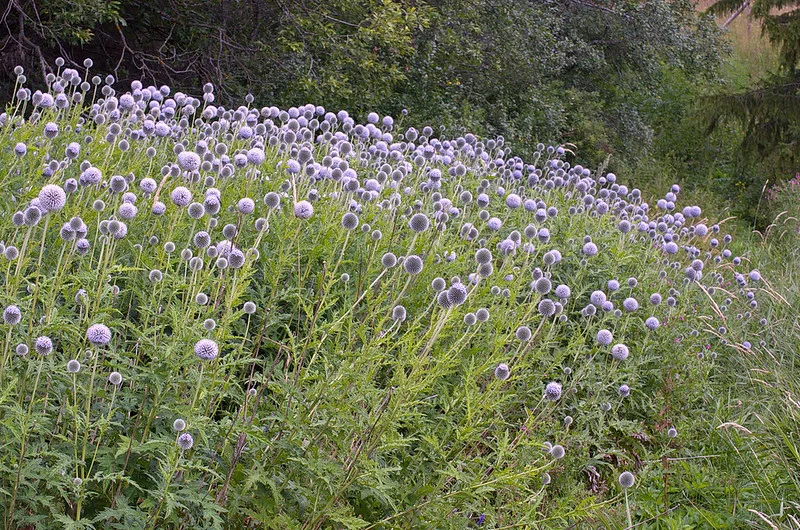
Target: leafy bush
[(255, 318)]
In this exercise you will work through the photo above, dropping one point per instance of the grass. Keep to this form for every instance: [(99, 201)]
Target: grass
[(327, 406), (752, 55)]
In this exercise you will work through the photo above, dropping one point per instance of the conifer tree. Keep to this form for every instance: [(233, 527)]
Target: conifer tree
[(770, 111)]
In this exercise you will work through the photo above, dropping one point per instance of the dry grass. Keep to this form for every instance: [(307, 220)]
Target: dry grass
[(753, 56)]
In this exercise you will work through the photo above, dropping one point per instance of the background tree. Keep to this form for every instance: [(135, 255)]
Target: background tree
[(591, 72), (769, 112)]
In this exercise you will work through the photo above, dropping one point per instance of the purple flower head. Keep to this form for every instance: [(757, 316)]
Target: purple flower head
[(189, 161), (597, 298), (604, 337), (513, 200), (181, 196), (246, 206), (457, 294), (590, 249), (413, 264), (563, 291), (206, 349), (185, 441), (303, 210), (43, 345), (12, 315), (619, 352), (630, 304), (98, 334), (502, 372), (552, 391), (52, 198)]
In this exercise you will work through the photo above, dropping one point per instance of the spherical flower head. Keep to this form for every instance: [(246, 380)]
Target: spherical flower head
[(90, 177), (494, 224), (630, 305), (619, 352), (179, 425), (350, 221), (293, 166), (557, 452), (73, 366), (255, 156), (98, 334), (52, 198), (185, 441), (303, 210), (148, 185), (12, 315), (115, 378), (206, 349), (523, 333), (626, 479), (547, 308), (502, 372), (181, 196), (389, 260), (624, 391), (189, 160), (413, 264), (419, 222), (399, 313), (246, 206), (597, 298), (249, 308), (755, 275), (552, 391), (457, 294), (443, 300), (655, 298), (272, 200), (43, 345), (672, 432), (651, 323), (563, 291), (590, 249), (513, 200), (483, 256), (604, 337)]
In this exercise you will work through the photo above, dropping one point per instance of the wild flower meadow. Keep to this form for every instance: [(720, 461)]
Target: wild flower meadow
[(261, 318)]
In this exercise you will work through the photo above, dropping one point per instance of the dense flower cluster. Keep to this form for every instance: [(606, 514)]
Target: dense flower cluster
[(306, 243)]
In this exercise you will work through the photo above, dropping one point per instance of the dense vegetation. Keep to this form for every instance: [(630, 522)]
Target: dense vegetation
[(636, 87), (250, 317), (601, 75)]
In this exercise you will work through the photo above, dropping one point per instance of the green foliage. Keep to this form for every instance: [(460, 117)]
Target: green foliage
[(571, 70), (322, 411), (73, 22)]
